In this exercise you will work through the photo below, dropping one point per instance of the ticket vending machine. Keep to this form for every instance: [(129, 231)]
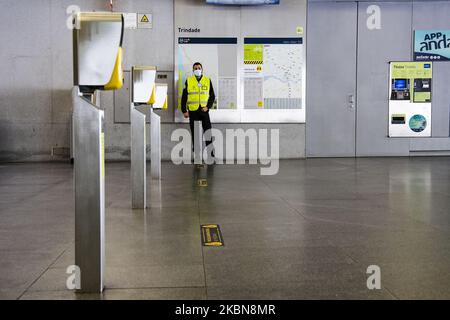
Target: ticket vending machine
[(97, 45), (410, 96)]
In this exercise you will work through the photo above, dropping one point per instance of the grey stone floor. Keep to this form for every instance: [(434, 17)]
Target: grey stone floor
[(309, 232)]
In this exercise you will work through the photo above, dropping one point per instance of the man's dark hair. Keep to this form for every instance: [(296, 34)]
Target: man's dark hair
[(197, 64)]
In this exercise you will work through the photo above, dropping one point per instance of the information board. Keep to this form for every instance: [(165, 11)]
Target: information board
[(410, 96), (273, 73), (432, 45)]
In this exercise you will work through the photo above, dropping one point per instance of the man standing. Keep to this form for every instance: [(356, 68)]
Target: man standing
[(198, 98)]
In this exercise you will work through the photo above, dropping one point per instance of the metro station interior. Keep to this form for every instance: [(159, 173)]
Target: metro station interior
[(224, 150)]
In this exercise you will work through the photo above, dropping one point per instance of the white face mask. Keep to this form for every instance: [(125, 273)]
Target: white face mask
[(198, 73)]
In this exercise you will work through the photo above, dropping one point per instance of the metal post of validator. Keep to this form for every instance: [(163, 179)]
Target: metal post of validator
[(97, 44), (138, 159), (89, 176), (155, 146), (142, 95), (160, 101)]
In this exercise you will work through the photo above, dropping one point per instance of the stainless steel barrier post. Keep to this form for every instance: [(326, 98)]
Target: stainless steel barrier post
[(155, 147), (89, 176), (138, 159)]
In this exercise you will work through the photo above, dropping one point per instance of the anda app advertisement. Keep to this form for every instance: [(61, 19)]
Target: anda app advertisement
[(432, 45)]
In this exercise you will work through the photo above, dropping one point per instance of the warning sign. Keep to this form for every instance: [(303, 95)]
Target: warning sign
[(145, 21)]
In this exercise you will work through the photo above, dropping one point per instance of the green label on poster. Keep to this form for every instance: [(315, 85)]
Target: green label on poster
[(422, 96), (102, 154), (253, 53), (411, 70)]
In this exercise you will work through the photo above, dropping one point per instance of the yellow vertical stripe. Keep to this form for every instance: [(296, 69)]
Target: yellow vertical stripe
[(102, 152)]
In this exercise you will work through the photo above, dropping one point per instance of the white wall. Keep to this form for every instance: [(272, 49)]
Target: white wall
[(36, 74), (36, 64), (36, 69)]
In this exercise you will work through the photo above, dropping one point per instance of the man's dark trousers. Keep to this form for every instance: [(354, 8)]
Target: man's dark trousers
[(202, 116)]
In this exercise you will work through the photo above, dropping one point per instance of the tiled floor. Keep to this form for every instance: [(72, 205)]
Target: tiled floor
[(308, 232)]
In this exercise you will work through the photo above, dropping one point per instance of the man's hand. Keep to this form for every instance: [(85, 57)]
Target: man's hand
[(205, 109), (186, 115)]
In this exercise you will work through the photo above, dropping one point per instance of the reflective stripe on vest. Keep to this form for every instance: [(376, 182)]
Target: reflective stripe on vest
[(197, 95)]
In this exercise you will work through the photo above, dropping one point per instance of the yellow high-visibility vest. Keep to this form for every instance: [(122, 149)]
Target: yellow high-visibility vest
[(198, 92)]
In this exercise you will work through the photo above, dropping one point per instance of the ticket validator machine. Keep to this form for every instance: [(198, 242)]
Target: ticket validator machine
[(145, 92), (97, 45)]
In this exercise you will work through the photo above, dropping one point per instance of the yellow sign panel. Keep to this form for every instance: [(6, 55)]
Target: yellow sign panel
[(411, 70), (211, 235), (102, 151), (253, 53)]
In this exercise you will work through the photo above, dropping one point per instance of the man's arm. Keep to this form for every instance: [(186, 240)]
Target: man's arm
[(212, 96), (184, 99)]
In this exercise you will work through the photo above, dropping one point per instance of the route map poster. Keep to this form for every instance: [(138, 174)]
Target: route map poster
[(273, 69)]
